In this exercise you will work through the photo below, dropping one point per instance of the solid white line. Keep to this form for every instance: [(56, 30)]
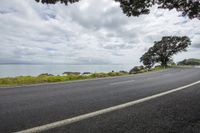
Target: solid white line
[(122, 82), (100, 112)]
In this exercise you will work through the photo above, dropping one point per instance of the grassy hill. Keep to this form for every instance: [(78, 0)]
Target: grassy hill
[(191, 61)]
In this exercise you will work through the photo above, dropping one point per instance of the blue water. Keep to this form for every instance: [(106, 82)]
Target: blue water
[(34, 70)]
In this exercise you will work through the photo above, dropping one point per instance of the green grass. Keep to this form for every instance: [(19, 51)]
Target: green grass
[(191, 61), (195, 60), (45, 78), (26, 80)]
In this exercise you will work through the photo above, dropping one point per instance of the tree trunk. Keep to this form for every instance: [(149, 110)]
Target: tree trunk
[(164, 64)]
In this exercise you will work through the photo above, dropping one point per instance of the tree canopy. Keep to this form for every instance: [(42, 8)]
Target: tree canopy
[(163, 50), (66, 2), (190, 8)]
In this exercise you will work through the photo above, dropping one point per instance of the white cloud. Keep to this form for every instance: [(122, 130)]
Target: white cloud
[(82, 33)]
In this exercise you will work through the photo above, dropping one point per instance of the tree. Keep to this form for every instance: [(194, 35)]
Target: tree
[(163, 50), (147, 60), (190, 8), (136, 69), (66, 2)]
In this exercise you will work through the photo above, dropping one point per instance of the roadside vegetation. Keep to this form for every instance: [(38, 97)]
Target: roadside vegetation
[(161, 53), (142, 69), (49, 78), (72, 76), (191, 62)]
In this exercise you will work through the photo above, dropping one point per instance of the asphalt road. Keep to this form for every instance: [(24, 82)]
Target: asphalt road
[(179, 112)]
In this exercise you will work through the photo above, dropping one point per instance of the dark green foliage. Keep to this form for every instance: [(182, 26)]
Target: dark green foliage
[(148, 60), (71, 73), (135, 7), (171, 63), (163, 50), (123, 72), (66, 2), (189, 62), (110, 74), (99, 75), (48, 78), (86, 73), (116, 74), (45, 74), (190, 8), (136, 69)]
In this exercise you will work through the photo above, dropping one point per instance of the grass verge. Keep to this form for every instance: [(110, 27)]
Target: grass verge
[(45, 78), (27, 80)]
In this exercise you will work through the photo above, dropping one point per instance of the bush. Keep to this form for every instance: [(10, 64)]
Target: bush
[(136, 69), (45, 74), (48, 78), (115, 74), (99, 75), (123, 72)]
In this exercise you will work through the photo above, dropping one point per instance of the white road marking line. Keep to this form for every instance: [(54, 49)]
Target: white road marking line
[(122, 82), (100, 112)]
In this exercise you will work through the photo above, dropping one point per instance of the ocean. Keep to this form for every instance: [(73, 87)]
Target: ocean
[(34, 70)]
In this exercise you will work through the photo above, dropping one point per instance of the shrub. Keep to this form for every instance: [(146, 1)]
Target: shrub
[(99, 75), (45, 74), (136, 69)]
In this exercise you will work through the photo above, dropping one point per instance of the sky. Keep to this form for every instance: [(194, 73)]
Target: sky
[(88, 32)]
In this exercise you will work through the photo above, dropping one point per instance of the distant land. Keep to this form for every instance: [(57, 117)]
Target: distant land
[(191, 61), (54, 64)]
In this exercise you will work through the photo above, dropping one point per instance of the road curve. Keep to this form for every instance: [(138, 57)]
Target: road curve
[(32, 106)]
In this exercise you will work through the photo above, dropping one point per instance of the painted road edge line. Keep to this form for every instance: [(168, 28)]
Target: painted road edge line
[(100, 112)]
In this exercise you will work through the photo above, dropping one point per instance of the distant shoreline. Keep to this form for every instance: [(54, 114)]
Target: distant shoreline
[(35, 70), (69, 76), (49, 78)]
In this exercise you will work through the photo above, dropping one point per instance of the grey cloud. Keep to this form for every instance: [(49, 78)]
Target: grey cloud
[(82, 33), (96, 18), (116, 53), (196, 40), (118, 46), (197, 45), (7, 10), (92, 61)]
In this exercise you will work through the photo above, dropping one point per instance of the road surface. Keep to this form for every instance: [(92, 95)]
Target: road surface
[(41, 105)]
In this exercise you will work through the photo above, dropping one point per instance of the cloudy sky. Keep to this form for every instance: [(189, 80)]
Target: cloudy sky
[(88, 32)]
